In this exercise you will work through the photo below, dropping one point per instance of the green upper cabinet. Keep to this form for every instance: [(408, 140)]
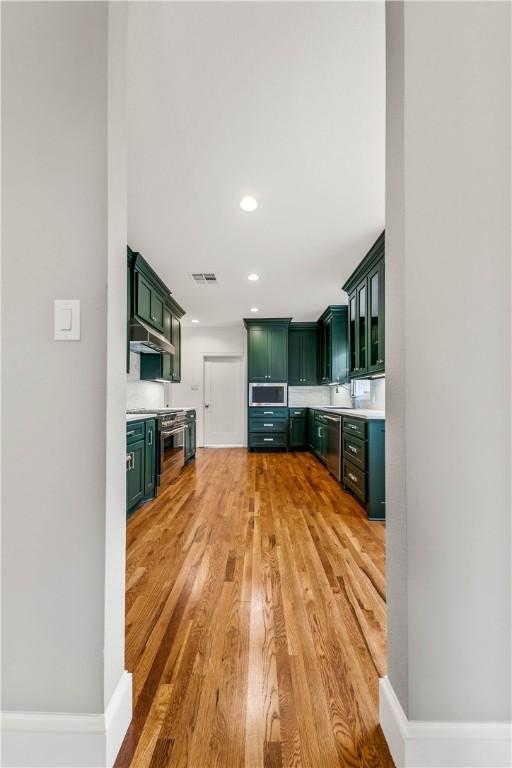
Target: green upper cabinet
[(149, 303), (162, 312), (375, 349), (267, 350), (302, 354), (365, 288), (257, 343), (333, 358), (277, 355)]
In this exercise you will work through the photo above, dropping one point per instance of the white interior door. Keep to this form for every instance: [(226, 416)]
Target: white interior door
[(223, 401)]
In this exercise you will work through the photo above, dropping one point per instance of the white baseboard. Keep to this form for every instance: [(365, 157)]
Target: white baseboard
[(61, 740), (418, 744), (227, 445)]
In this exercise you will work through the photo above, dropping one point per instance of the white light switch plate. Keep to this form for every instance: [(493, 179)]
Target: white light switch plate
[(66, 320)]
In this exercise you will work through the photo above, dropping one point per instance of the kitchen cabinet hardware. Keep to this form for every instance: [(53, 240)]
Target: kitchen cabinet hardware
[(363, 463)]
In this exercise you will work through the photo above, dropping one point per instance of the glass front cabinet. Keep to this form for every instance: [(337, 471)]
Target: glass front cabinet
[(365, 289)]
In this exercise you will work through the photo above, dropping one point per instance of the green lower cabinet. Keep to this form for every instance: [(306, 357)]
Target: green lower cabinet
[(364, 465), (311, 429), (140, 462), (317, 433), (190, 436), (150, 459), (297, 432), (267, 427), (135, 463), (268, 440)]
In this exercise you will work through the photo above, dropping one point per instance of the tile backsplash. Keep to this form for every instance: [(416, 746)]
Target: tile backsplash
[(143, 394), (369, 393), (308, 396)]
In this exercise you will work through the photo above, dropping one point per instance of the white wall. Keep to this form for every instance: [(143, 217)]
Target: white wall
[(197, 342), (63, 236), (448, 319)]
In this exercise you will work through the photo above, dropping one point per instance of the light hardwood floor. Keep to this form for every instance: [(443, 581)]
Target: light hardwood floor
[(255, 620)]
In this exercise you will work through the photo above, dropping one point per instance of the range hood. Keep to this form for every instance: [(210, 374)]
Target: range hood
[(145, 339)]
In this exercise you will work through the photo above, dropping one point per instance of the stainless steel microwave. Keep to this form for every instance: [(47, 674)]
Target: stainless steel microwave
[(268, 394)]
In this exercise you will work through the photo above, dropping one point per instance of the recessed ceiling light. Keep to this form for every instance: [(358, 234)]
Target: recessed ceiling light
[(254, 309), (195, 321), (248, 204), (253, 276)]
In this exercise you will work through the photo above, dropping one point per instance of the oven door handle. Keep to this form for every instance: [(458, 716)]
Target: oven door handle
[(171, 432)]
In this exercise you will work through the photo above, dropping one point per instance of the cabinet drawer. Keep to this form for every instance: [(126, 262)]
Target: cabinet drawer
[(261, 412), (268, 425), (266, 440), (355, 427), (355, 479), (296, 412), (135, 430), (354, 450)]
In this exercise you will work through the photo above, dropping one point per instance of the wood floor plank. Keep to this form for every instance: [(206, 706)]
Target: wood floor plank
[(256, 620)]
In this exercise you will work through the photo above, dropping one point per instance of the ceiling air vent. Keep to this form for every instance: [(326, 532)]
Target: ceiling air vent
[(204, 278)]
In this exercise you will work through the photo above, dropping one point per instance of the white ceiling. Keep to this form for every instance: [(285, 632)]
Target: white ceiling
[(282, 101)]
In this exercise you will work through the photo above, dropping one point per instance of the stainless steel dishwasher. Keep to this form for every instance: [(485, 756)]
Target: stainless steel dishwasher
[(333, 457)]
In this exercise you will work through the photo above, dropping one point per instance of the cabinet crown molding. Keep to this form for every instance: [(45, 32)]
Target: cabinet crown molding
[(371, 258)]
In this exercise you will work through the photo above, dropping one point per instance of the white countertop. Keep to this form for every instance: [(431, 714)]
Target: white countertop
[(184, 408), (140, 416), (357, 413)]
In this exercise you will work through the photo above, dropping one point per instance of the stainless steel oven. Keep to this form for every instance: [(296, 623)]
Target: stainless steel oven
[(171, 456), (268, 394)]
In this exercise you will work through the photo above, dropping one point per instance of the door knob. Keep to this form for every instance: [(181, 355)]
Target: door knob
[(207, 405)]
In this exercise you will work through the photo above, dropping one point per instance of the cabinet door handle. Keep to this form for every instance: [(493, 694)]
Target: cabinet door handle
[(351, 448), (268, 413), (352, 477), (128, 461), (150, 437), (268, 439), (352, 426), (132, 432), (268, 425)]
